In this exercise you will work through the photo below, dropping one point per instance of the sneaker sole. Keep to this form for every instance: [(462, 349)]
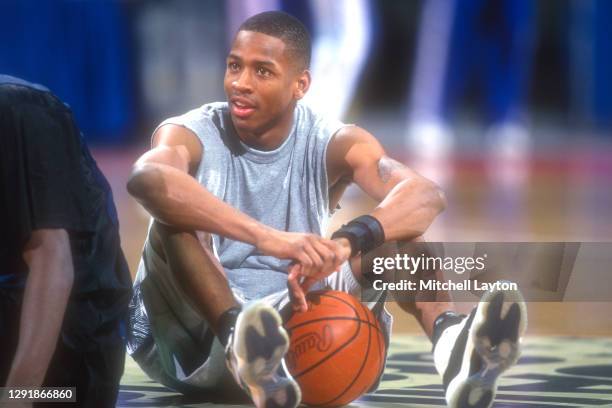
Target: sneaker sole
[(261, 343), (495, 342)]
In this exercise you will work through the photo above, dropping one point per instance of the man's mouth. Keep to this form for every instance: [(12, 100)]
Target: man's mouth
[(241, 108)]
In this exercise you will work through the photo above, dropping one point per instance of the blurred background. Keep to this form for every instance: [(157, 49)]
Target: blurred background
[(505, 103)]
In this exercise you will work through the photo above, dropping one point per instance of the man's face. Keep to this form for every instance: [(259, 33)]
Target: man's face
[(261, 82)]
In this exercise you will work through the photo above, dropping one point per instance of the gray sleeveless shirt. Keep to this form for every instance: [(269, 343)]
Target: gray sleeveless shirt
[(285, 188)]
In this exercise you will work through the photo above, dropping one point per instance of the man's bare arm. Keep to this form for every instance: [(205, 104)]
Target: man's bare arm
[(162, 181), (48, 287), (408, 202)]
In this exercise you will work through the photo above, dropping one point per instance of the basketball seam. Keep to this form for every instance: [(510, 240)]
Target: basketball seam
[(337, 317), (360, 371), (371, 324), (318, 363), (346, 343), (328, 319)]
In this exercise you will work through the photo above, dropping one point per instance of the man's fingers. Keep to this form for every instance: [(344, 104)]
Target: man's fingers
[(327, 255), (296, 293), (340, 255), (306, 264), (304, 260), (317, 260), (306, 284), (294, 270)]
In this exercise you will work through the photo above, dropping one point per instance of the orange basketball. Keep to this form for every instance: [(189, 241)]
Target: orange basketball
[(337, 349)]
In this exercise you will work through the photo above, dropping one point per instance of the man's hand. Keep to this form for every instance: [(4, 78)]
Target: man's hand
[(314, 258), (299, 282), (345, 247), (317, 256)]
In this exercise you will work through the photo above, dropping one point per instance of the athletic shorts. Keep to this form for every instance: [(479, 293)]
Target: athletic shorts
[(174, 344)]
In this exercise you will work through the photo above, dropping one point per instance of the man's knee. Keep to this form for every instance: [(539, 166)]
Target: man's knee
[(163, 236), (164, 232)]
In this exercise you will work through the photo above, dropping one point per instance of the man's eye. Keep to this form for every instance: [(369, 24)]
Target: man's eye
[(263, 71), (233, 66)]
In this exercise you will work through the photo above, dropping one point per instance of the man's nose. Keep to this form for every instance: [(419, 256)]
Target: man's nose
[(242, 83)]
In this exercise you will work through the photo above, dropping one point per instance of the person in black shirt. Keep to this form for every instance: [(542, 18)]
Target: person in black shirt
[(64, 281)]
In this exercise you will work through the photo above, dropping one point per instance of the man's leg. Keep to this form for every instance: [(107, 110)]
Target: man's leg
[(254, 337), (470, 352), (199, 275), (425, 307)]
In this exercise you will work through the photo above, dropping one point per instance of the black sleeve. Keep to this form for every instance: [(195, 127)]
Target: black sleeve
[(43, 185)]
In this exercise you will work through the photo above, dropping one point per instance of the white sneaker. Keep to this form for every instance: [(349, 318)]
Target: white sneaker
[(255, 352), (473, 354)]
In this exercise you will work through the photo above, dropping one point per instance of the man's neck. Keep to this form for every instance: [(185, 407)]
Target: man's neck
[(270, 138)]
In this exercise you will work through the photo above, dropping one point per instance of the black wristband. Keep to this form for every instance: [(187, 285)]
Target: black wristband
[(364, 233)]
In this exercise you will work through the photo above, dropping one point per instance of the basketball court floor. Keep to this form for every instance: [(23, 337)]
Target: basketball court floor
[(565, 195), (554, 371)]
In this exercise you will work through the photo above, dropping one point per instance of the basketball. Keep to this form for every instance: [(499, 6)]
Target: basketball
[(337, 349)]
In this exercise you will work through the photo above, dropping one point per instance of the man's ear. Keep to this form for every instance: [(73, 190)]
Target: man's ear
[(302, 85)]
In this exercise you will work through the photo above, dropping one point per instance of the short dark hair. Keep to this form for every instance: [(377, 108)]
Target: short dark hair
[(286, 28)]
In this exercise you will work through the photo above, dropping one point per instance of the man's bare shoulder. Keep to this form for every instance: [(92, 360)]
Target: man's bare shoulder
[(349, 146), (171, 134)]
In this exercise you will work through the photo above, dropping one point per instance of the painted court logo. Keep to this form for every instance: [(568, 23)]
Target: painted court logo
[(312, 340)]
